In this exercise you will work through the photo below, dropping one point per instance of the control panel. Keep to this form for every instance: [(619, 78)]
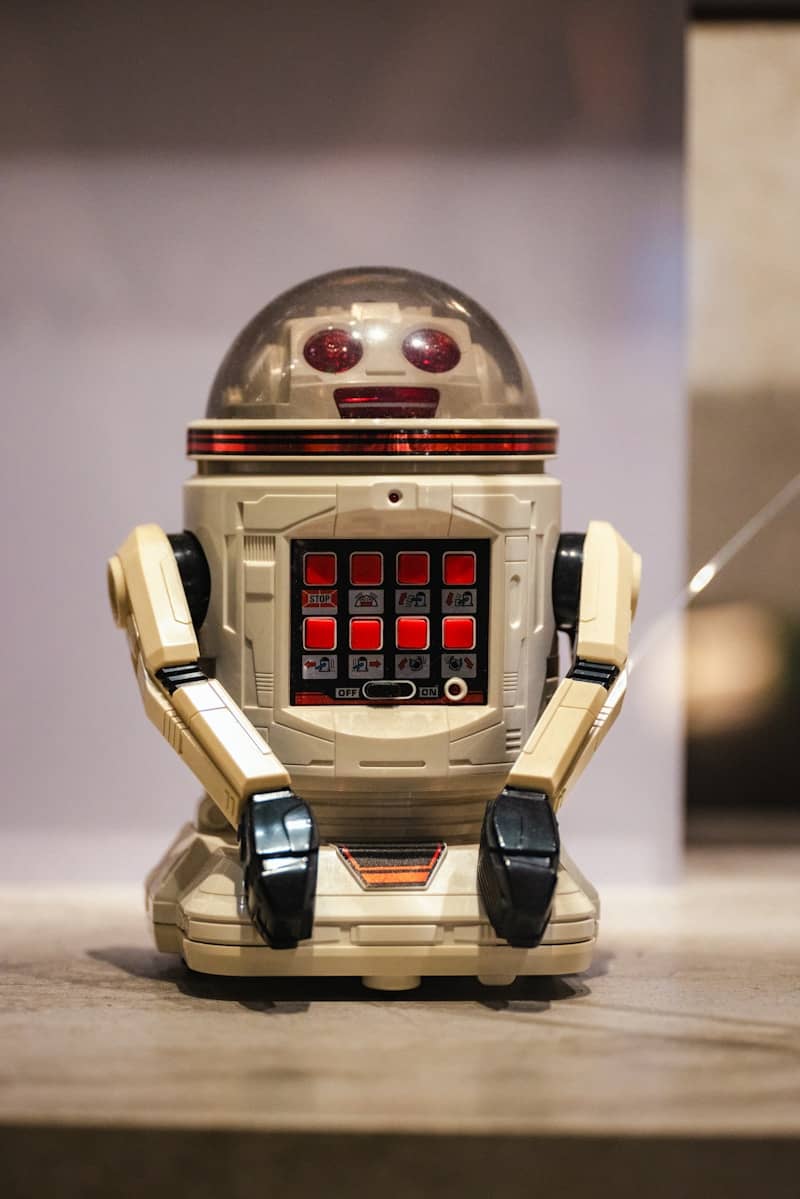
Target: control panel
[(395, 622)]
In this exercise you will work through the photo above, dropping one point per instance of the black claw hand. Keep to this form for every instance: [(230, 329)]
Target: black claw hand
[(518, 865), (278, 844)]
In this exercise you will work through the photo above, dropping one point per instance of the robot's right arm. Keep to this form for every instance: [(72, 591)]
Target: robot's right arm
[(195, 714)]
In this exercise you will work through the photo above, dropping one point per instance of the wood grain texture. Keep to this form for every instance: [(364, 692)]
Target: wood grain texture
[(687, 1030)]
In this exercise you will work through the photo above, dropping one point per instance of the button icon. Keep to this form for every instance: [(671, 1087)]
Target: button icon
[(317, 666), (366, 570), (458, 632), (413, 569), (464, 666), (412, 666), (366, 634), (365, 666), (412, 599), (412, 632), (459, 599), (318, 601), (319, 570), (366, 600), (319, 632)]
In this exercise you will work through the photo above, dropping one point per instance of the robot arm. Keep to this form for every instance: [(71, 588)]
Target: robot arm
[(596, 586), (194, 713), (595, 601), (159, 599)]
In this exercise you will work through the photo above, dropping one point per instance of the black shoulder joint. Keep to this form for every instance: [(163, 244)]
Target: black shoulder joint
[(173, 677), (585, 671), (567, 574), (194, 572)]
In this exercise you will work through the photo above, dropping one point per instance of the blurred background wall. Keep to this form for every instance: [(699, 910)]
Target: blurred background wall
[(743, 660), (168, 168)]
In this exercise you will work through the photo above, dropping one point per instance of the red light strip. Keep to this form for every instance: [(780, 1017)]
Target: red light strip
[(277, 443)]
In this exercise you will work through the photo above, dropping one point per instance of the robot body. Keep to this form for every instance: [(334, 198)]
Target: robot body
[(426, 751), (352, 644)]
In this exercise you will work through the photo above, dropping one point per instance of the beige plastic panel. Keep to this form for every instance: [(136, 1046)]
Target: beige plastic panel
[(554, 744), (144, 579), (195, 901), (609, 589), (217, 932), (187, 859), (612, 706), (174, 730), (365, 510), (117, 592), (378, 965), (369, 769), (228, 737)]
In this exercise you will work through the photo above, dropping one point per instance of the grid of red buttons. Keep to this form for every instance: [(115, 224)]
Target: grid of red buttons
[(366, 570), (319, 570), (366, 634), (413, 569), (319, 632), (412, 632), (458, 569), (458, 632)]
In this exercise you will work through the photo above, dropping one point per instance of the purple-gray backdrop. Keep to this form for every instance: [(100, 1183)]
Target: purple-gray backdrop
[(166, 173)]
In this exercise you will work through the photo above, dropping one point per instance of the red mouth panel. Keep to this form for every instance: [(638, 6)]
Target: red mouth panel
[(386, 401)]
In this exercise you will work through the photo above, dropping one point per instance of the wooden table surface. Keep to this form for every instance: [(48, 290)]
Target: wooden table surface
[(672, 1068)]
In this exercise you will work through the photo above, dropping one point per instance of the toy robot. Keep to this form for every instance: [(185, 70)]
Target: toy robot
[(353, 645)]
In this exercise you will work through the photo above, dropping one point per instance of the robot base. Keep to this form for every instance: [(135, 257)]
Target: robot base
[(390, 937)]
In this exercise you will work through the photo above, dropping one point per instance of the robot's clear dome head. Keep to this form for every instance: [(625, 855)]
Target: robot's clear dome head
[(372, 342)]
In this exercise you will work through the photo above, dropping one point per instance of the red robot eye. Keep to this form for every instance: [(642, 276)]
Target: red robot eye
[(431, 350), (333, 351)]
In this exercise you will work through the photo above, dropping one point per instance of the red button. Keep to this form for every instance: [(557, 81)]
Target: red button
[(366, 570), (366, 634), (458, 632), (413, 570), (412, 632), (459, 570), (319, 570), (319, 632)]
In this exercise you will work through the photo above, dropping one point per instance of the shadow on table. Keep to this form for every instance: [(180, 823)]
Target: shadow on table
[(290, 995)]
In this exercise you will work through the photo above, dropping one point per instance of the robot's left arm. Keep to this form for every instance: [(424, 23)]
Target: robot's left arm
[(595, 588)]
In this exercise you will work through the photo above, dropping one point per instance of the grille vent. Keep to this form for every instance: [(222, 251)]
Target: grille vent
[(265, 684), (259, 547), (513, 741)]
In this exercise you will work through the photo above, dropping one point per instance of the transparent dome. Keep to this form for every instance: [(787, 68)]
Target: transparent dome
[(375, 342)]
